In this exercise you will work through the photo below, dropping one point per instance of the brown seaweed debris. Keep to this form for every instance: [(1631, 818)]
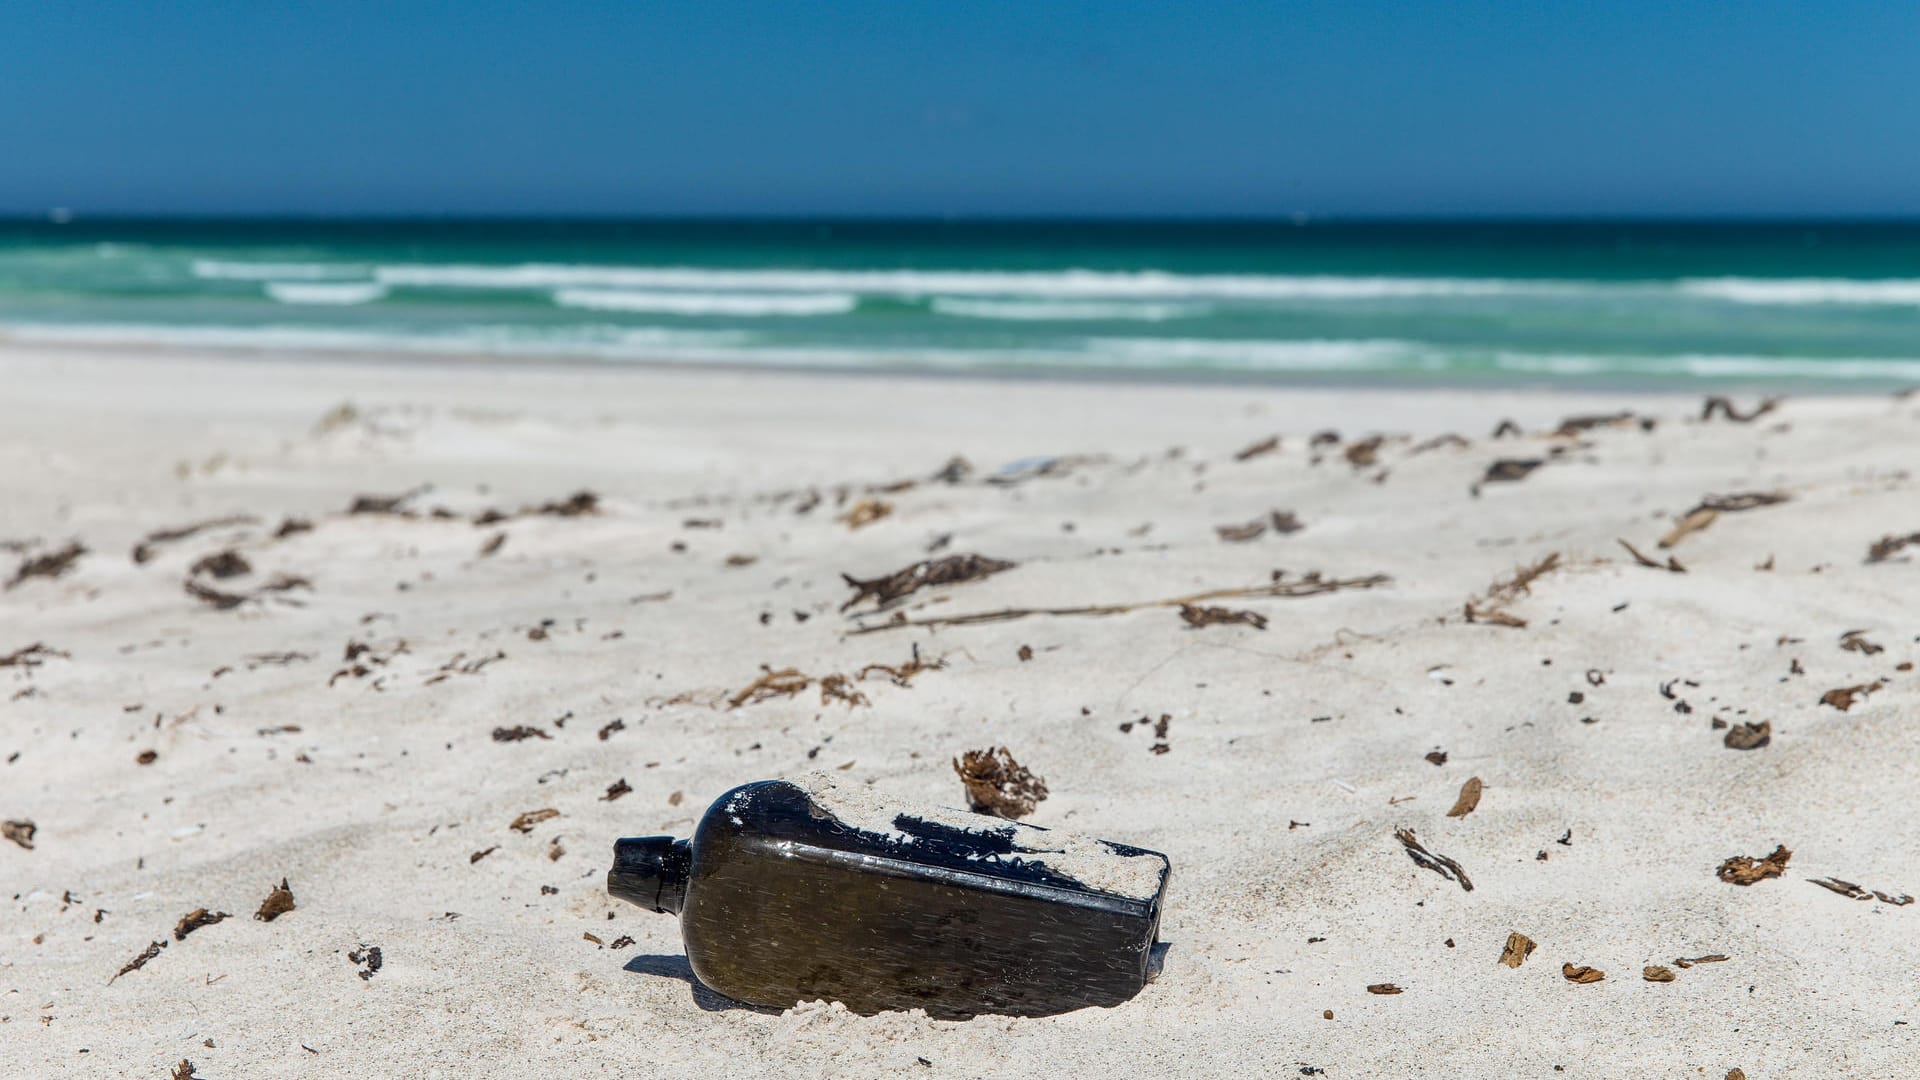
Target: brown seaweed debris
[(1268, 445), (1688, 961), (140, 961), (185, 1070), (997, 784), (1519, 946), (840, 688), (902, 674), (925, 574), (227, 601), (369, 959), (525, 822), (148, 545), (1282, 522), (194, 920), (771, 684), (1429, 860), (866, 512), (1656, 973), (1574, 425), (387, 504), (1310, 585), (519, 733), (1745, 870), (222, 565), (1854, 892), (1580, 973), (20, 832), (1749, 736), (616, 789), (1724, 407), (1888, 546), (1672, 565), (53, 564), (1469, 798), (1710, 508), (1196, 616), (277, 903), (1856, 641), (32, 656), (478, 855), (1366, 452), (292, 526), (1384, 989), (1491, 609), (579, 504), (1510, 470), (1844, 697)]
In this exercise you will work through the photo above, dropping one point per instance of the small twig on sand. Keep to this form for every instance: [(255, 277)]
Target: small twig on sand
[(1428, 860)]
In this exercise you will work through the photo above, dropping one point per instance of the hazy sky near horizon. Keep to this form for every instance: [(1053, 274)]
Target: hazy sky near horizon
[(1354, 108)]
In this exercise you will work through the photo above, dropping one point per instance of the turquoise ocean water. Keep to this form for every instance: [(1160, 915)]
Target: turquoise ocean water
[(1656, 305)]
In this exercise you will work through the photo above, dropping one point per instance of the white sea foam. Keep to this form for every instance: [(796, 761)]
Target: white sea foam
[(1903, 292), (1063, 310), (707, 303), (1713, 366), (613, 342), (336, 293), (1150, 284), (228, 270), (1253, 355)]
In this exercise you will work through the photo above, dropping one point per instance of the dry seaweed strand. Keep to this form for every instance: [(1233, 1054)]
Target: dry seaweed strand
[(1310, 585), (53, 564), (1710, 508), (840, 688), (33, 656), (140, 961), (1656, 974), (866, 512), (1672, 565), (1688, 961), (1890, 545), (525, 822), (1429, 860), (148, 545), (1491, 609), (185, 1070), (947, 570), (226, 601), (1745, 870), (1854, 892), (1384, 989), (1580, 973), (518, 733), (1519, 946), (997, 784), (1268, 445), (902, 675), (1469, 798)]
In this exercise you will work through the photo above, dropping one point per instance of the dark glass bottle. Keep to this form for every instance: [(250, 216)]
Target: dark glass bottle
[(796, 890)]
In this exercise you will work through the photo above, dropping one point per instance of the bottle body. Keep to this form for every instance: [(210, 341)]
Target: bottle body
[(811, 889)]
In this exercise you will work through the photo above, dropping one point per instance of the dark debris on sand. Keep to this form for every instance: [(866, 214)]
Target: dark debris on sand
[(927, 573), (51, 565), (277, 903), (997, 784), (1746, 870)]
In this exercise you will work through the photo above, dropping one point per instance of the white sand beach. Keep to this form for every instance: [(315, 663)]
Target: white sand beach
[(324, 713)]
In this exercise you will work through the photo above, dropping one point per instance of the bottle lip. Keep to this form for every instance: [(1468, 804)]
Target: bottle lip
[(651, 872)]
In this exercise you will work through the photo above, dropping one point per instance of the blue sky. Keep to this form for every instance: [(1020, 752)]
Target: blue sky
[(972, 109)]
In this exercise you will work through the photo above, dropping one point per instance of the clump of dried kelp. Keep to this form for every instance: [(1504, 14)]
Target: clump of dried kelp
[(51, 565), (1492, 608), (1745, 870), (579, 504), (278, 902), (140, 961), (221, 600), (1197, 616), (997, 784), (20, 832), (888, 589), (194, 920)]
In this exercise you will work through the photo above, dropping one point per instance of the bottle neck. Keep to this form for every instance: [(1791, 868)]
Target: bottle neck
[(651, 872)]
